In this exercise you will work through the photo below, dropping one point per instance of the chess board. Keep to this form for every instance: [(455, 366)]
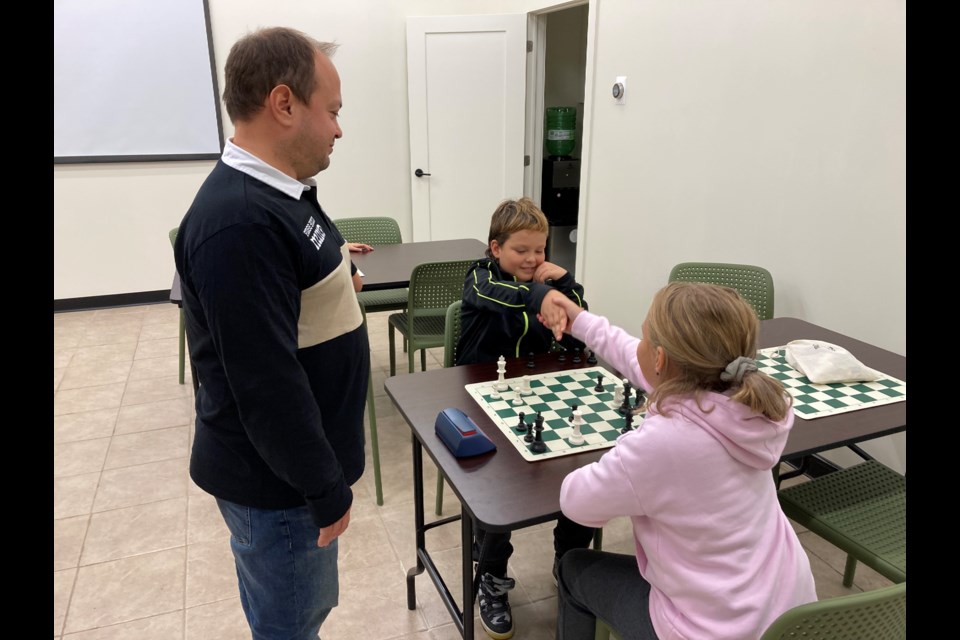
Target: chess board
[(817, 400), (552, 394)]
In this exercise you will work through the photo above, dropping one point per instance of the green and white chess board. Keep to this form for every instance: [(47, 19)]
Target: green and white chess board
[(553, 395), (817, 400)]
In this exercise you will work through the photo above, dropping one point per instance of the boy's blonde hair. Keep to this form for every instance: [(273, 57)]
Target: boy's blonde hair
[(515, 215), (702, 328)]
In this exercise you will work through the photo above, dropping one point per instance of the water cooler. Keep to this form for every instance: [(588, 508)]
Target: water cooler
[(560, 186), (559, 200)]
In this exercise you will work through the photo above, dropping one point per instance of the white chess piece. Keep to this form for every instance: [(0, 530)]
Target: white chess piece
[(576, 437), (525, 386), (617, 397), (516, 399), (501, 370)]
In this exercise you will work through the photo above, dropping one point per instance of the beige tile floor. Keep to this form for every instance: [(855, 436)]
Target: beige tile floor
[(140, 552)]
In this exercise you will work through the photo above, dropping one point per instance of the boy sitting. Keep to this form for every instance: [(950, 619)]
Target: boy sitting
[(502, 296)]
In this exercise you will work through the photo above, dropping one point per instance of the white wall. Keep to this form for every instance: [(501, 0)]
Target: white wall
[(111, 221), (754, 131), (762, 132)]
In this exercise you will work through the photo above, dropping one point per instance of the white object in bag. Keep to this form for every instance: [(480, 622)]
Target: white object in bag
[(824, 363)]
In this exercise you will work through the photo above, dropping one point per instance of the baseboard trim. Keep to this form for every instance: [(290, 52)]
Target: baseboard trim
[(107, 302)]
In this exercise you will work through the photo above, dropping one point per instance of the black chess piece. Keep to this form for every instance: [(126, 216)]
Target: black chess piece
[(641, 397), (538, 445), (530, 430), (521, 426), (576, 356), (625, 407), (563, 355), (627, 422), (599, 387), (573, 410), (530, 363), (591, 357)]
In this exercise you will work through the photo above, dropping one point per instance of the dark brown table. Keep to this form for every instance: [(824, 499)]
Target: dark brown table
[(389, 266), (488, 486)]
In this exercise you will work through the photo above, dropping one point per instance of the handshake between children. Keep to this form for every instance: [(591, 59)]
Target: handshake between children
[(557, 313)]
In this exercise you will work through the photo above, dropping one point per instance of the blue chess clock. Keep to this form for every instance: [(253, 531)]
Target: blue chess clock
[(461, 434)]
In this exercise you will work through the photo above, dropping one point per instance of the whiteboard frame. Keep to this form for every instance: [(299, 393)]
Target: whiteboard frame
[(204, 150)]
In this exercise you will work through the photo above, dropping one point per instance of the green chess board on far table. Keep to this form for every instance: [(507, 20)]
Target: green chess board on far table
[(817, 400), (553, 395)]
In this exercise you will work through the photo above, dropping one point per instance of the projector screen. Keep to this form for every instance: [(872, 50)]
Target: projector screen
[(134, 81)]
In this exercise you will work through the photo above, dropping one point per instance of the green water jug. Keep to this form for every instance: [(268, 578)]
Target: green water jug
[(561, 130)]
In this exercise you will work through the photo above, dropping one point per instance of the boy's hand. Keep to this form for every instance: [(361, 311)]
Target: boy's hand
[(557, 313), (359, 247), (548, 271)]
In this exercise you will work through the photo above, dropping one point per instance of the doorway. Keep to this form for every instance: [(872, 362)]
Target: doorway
[(477, 134), (560, 81)]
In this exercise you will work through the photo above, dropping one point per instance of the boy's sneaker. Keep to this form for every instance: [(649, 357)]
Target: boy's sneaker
[(495, 614)]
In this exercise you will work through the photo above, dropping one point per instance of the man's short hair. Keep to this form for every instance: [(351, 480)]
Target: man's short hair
[(264, 59)]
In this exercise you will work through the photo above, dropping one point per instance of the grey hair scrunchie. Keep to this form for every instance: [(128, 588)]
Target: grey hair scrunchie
[(736, 369)]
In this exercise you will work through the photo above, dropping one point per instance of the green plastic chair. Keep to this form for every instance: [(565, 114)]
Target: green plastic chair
[(183, 326), (375, 231), (880, 614), (372, 417), (434, 286), (451, 336), (754, 283), (862, 510)]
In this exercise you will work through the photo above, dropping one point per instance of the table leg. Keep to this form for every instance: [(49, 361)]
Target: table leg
[(420, 528), (466, 544)]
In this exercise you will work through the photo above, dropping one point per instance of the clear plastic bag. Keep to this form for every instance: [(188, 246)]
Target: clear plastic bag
[(824, 363)]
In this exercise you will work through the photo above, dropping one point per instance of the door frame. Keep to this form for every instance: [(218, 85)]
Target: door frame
[(533, 127)]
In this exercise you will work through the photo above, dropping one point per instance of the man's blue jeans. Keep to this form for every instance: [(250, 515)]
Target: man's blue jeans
[(288, 585)]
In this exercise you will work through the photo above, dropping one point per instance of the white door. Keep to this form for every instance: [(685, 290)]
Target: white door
[(466, 90)]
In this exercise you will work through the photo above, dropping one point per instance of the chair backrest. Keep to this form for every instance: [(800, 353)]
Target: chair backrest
[(754, 283), (451, 333), (371, 230), (880, 614), (434, 286)]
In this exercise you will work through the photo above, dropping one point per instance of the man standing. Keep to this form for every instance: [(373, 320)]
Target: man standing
[(276, 335)]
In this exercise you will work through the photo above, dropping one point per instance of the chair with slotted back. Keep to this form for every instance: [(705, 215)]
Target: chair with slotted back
[(451, 336), (375, 230), (754, 283), (862, 510), (434, 286), (183, 327), (879, 614), (372, 418)]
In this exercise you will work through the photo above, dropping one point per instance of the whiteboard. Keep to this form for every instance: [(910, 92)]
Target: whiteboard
[(134, 81)]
